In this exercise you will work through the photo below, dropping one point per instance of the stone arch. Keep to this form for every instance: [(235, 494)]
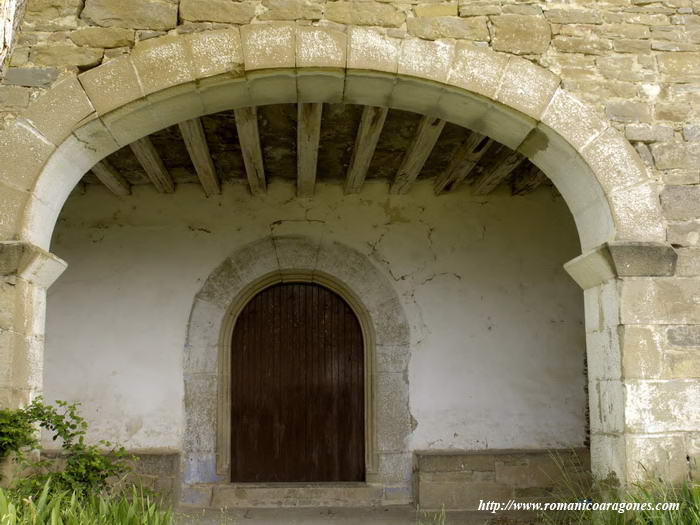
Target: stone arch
[(174, 78), (385, 329)]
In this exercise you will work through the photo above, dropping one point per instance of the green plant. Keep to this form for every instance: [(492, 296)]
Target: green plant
[(52, 507), (82, 468), (16, 432), (639, 500)]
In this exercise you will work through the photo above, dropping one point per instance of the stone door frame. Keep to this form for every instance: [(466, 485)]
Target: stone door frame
[(385, 329)]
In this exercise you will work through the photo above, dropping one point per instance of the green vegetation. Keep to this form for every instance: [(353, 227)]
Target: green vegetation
[(640, 501), (62, 508), (83, 486)]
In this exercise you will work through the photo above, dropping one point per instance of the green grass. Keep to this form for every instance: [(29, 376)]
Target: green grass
[(63, 508), (649, 493)]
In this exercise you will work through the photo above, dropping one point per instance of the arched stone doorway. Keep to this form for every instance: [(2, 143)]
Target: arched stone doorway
[(176, 78), (385, 332)]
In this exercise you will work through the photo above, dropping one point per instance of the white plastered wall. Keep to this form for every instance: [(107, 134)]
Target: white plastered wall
[(496, 324)]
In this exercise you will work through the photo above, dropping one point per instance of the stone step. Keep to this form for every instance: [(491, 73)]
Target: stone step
[(276, 495)]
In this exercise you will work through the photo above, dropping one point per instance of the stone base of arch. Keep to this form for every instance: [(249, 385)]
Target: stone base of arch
[(206, 448)]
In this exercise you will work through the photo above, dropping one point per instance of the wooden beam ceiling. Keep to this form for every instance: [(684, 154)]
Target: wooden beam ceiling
[(249, 140), (107, 175), (368, 133), (196, 143), (504, 163), (308, 135), (153, 165), (427, 135), (463, 162), (531, 179)]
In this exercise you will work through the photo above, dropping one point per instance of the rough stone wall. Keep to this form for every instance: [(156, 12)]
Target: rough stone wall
[(636, 61)]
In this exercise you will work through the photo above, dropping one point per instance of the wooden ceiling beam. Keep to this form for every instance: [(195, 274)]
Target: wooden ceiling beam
[(531, 179), (368, 133), (249, 139), (463, 162), (108, 176), (195, 140), (427, 135), (492, 177), (308, 136), (153, 165)]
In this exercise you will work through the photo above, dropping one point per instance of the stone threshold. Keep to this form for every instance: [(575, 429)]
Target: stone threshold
[(281, 495)]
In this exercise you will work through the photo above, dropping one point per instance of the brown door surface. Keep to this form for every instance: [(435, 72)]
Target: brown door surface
[(297, 386)]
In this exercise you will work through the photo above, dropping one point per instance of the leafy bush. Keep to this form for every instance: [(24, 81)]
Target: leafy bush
[(53, 507), (83, 468)]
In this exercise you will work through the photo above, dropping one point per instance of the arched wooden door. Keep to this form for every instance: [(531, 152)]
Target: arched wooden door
[(297, 385)]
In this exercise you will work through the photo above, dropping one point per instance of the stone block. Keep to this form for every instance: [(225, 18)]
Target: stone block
[(460, 495), (684, 335), (524, 471), (648, 133), (660, 301), (684, 233), (643, 259), (224, 11), (269, 45), (364, 13), (642, 352), (691, 132), (434, 28), (371, 50), (133, 14), (111, 85), (682, 364), (221, 93), (681, 202), (527, 87), (679, 67), (393, 420), (14, 97), (426, 59), (59, 110), (663, 457), (585, 45), (604, 356), (200, 407), (520, 34), (577, 122), (292, 10), (391, 358), (672, 155), (30, 76), (162, 63), (608, 457), (22, 153), (65, 55), (607, 409), (477, 69), (688, 264), (105, 37), (574, 16), (437, 9), (615, 161), (662, 405), (320, 47), (216, 53), (637, 213), (628, 111)]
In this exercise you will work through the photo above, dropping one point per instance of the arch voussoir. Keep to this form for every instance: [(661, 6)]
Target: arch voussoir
[(177, 77)]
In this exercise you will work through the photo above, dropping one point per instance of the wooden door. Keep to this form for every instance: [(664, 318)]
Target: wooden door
[(297, 385)]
